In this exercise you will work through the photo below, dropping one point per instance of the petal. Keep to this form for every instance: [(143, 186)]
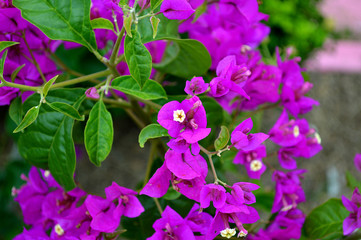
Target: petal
[(176, 9), (158, 184)]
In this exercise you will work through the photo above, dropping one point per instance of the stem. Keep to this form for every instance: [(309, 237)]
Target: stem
[(209, 154), (118, 102), (34, 60), (116, 48), (158, 205), (82, 79), (19, 86), (153, 148), (64, 66), (135, 118)]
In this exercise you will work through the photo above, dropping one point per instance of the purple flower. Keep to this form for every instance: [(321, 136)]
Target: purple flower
[(176, 9), (186, 119), (230, 77), (171, 226), (353, 221), (288, 190), (198, 221), (196, 86), (215, 193), (357, 162), (92, 93), (186, 172), (242, 141), (106, 213), (252, 160)]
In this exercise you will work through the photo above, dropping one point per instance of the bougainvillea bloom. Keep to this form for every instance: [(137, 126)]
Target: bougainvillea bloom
[(171, 226), (186, 119), (215, 193), (353, 221), (106, 213), (196, 86), (288, 190), (357, 162), (242, 141), (252, 160), (176, 9)]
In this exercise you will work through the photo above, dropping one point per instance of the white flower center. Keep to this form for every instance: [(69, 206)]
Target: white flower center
[(242, 234), (228, 232), (46, 173), (318, 138), (59, 230), (179, 116), (256, 165), (296, 131)]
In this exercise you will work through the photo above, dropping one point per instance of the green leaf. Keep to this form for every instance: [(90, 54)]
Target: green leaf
[(48, 141), (326, 220), (200, 10), (16, 71), (155, 22), (67, 110), (151, 131), (166, 28), (351, 181), (6, 44), (155, 3), (138, 58), (16, 111), (127, 23), (102, 23), (29, 118), (185, 58), (2, 62), (67, 20), (48, 84), (98, 134), (222, 138), (151, 89), (171, 194)]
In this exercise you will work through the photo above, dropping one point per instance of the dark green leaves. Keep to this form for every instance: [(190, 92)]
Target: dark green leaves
[(326, 220), (102, 23), (60, 20), (48, 84), (16, 111), (48, 141), (222, 138), (67, 110), (29, 118), (151, 131), (2, 62), (138, 58), (151, 89), (6, 44), (98, 134), (155, 3), (185, 58)]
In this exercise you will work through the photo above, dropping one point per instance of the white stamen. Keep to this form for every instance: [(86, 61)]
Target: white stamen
[(14, 191), (256, 165), (59, 230), (228, 232), (179, 116), (242, 234), (46, 173), (296, 131), (318, 138), (286, 208)]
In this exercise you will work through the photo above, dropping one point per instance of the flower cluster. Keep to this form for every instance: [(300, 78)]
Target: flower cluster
[(47, 208), (29, 59)]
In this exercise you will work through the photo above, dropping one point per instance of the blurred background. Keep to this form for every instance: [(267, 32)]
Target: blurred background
[(326, 34)]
